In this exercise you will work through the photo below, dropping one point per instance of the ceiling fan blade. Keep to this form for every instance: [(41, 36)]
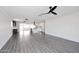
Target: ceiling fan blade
[(43, 14), (54, 8), (50, 11), (54, 13)]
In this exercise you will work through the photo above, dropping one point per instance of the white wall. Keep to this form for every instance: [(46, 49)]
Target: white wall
[(65, 27), (5, 28)]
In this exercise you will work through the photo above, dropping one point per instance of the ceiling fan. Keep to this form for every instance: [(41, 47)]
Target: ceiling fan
[(50, 11)]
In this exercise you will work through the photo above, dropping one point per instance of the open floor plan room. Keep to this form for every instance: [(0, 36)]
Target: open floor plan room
[(39, 29)]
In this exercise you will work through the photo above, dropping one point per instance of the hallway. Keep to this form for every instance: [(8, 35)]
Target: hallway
[(38, 43)]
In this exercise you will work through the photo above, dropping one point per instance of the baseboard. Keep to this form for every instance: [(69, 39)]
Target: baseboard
[(6, 41), (62, 37)]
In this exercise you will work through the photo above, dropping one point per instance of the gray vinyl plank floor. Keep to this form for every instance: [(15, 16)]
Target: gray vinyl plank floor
[(38, 43)]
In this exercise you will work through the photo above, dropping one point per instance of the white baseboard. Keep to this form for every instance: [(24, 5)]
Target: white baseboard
[(62, 37), (5, 41)]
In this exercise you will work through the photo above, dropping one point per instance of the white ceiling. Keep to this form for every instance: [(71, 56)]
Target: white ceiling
[(32, 12)]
